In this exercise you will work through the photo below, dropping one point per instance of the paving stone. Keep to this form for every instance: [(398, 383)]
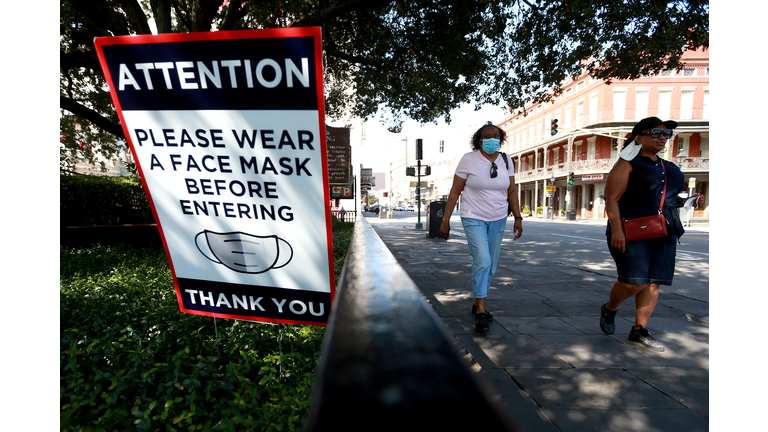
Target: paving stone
[(590, 388), (591, 324), (690, 387), (575, 308), (575, 294), (597, 351), (536, 325), (627, 420), (525, 413), (507, 350)]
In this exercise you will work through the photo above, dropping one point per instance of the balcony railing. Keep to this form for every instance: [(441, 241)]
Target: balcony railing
[(596, 166), (580, 166), (693, 163)]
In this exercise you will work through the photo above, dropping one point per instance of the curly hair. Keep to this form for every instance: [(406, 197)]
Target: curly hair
[(475, 141)]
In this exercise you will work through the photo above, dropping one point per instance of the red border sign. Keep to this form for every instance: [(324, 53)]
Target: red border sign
[(228, 133)]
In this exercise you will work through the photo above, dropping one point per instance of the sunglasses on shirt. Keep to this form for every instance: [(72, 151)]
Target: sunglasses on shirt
[(655, 132), (494, 172)]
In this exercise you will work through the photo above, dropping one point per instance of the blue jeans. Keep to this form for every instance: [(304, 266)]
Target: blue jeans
[(484, 239)]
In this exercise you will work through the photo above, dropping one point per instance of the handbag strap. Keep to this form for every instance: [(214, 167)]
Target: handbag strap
[(663, 194)]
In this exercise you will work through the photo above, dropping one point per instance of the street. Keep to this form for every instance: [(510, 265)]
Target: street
[(582, 245)]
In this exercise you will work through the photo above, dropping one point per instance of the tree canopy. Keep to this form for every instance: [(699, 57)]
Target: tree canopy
[(415, 59)]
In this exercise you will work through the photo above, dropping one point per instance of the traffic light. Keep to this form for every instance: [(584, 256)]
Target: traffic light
[(385, 194), (442, 146), (419, 148), (570, 178), (427, 170), (554, 126)]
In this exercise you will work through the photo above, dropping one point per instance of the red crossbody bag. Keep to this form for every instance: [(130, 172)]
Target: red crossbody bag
[(647, 227)]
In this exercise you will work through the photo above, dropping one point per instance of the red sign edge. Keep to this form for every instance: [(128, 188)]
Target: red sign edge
[(316, 34)]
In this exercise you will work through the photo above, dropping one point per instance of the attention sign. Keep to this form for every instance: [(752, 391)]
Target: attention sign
[(228, 133)]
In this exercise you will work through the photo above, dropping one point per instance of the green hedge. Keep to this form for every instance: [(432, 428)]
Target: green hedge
[(99, 200), (130, 360)]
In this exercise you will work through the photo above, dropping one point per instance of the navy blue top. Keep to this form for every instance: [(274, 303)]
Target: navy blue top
[(644, 189)]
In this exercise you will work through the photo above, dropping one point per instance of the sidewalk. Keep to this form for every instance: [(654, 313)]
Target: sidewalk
[(545, 354)]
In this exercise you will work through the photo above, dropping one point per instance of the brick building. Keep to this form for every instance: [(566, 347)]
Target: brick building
[(593, 121)]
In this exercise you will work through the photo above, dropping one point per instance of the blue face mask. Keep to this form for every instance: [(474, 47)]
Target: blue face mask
[(491, 145)]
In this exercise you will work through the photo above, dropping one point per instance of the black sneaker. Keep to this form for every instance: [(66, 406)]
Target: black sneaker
[(607, 323), (474, 312), (644, 338), (481, 322)]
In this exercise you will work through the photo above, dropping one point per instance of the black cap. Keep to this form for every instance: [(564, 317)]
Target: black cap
[(648, 123)]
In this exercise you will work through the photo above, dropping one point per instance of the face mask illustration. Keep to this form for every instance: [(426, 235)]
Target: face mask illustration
[(243, 252)]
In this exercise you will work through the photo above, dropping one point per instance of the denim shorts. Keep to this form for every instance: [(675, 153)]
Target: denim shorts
[(646, 261)]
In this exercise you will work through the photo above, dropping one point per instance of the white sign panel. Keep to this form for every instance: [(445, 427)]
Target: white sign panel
[(227, 130)]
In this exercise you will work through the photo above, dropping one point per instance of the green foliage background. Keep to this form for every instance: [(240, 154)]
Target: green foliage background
[(131, 361)]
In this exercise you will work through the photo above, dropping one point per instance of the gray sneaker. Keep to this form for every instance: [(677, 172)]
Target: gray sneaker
[(644, 338), (607, 324)]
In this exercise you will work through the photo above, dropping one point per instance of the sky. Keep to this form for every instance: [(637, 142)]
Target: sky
[(376, 148)]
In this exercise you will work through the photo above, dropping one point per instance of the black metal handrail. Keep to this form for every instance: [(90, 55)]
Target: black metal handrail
[(388, 362)]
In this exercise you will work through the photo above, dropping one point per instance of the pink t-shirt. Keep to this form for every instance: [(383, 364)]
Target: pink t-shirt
[(483, 197)]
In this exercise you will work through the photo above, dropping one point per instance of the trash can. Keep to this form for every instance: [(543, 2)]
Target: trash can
[(570, 215), (435, 212), (548, 212)]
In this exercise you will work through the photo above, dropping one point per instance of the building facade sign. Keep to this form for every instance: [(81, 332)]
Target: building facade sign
[(339, 156)]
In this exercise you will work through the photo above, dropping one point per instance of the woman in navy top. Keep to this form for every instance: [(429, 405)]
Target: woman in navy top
[(634, 189)]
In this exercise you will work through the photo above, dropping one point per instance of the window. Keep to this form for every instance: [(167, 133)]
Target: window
[(705, 105), (619, 104), (556, 156), (593, 109), (540, 130), (704, 146), (578, 152), (641, 104), (579, 114), (686, 104), (665, 72), (591, 149), (689, 72), (580, 85), (531, 134), (614, 148), (665, 103), (682, 145)]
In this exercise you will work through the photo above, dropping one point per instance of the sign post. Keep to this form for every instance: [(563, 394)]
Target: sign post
[(228, 133)]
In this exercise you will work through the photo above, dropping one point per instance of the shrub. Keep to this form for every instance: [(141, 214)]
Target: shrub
[(99, 200), (131, 360)]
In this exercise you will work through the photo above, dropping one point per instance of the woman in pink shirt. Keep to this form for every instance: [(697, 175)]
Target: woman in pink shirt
[(487, 183)]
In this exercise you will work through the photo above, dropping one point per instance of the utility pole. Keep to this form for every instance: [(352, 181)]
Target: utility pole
[(419, 154)]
